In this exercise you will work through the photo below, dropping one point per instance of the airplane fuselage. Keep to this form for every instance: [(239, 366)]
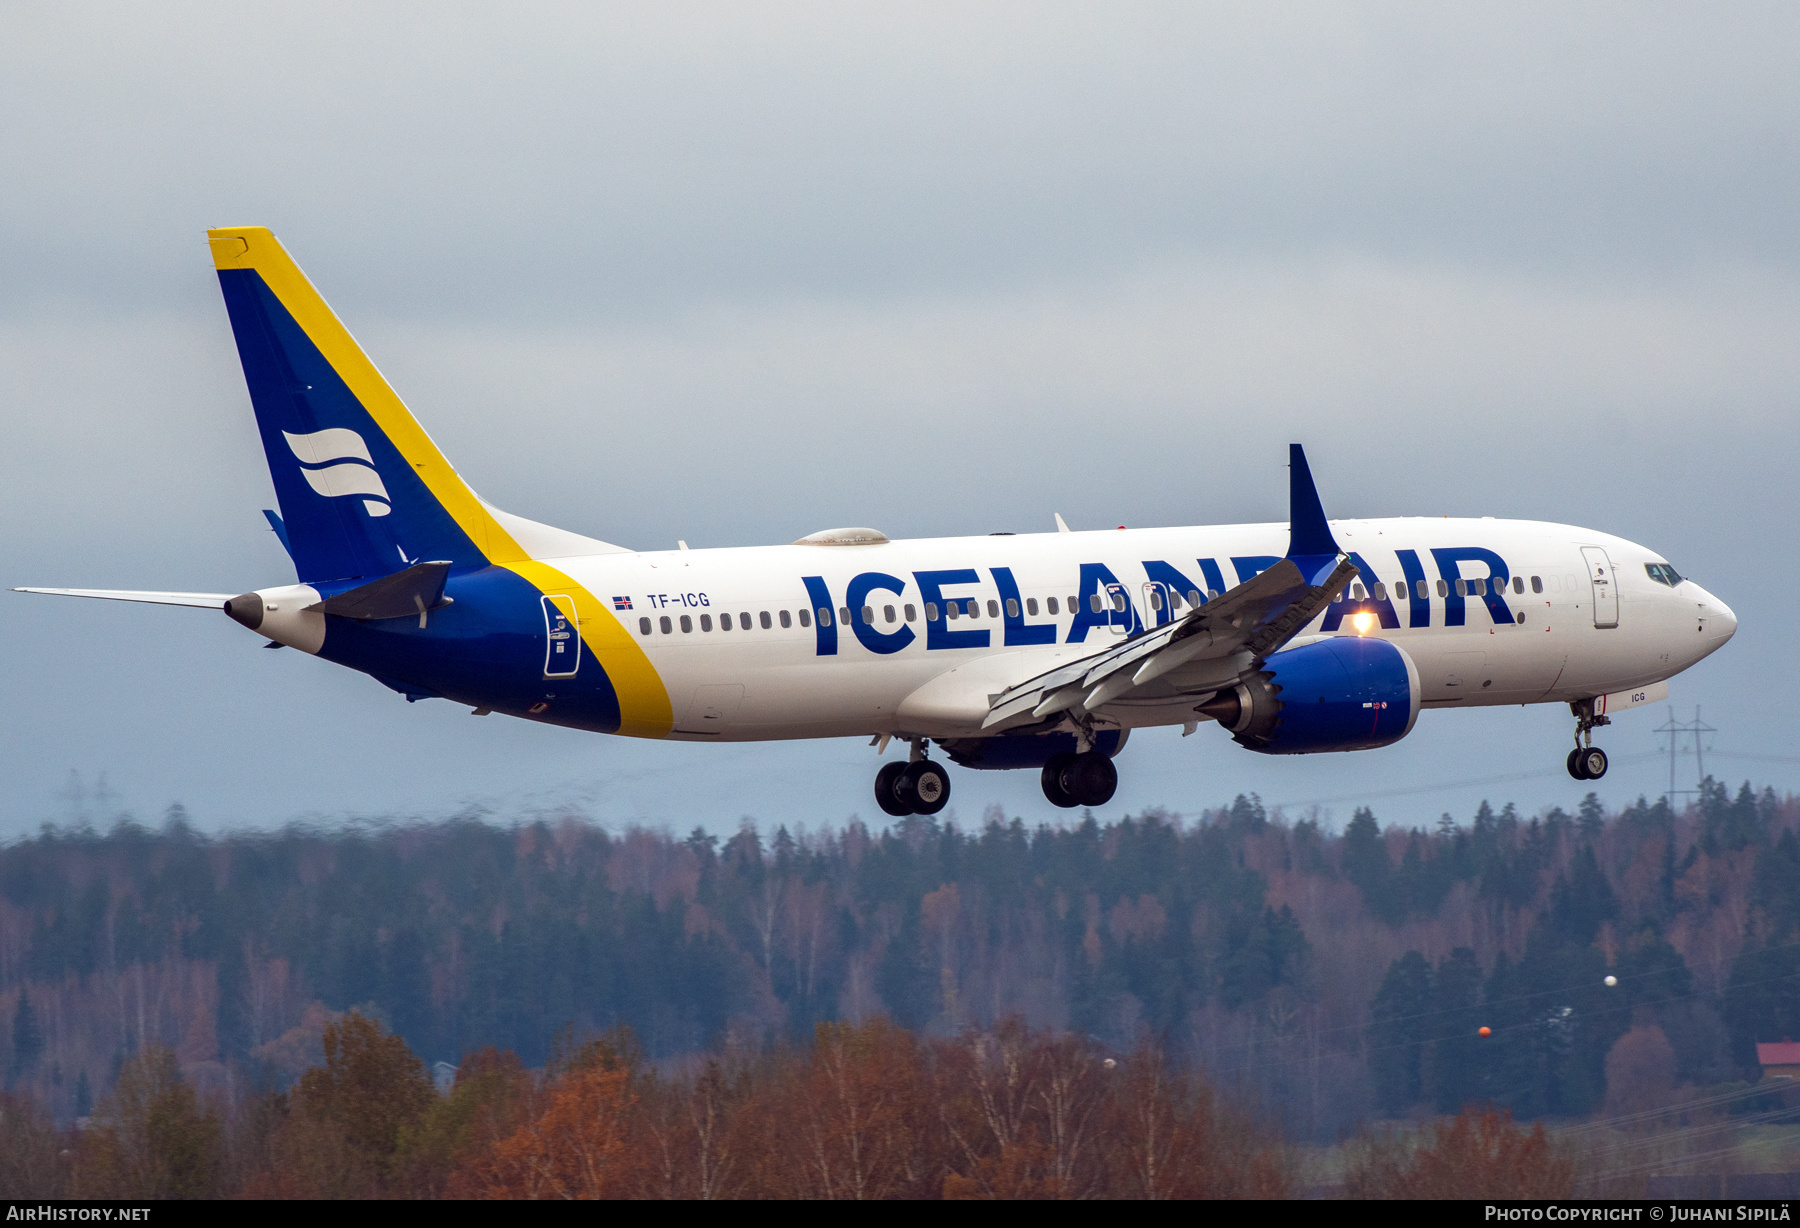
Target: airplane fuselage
[(807, 641)]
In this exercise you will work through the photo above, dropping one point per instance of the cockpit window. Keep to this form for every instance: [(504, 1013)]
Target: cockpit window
[(1662, 573)]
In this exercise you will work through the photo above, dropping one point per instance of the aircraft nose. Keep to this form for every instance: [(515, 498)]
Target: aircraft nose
[(1723, 621), (1717, 620)]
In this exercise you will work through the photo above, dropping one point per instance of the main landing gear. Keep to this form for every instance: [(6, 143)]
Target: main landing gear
[(916, 787), (1587, 761), (1088, 779)]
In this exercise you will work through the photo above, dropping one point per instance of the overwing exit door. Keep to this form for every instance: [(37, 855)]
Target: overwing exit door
[(1118, 602), (1604, 584)]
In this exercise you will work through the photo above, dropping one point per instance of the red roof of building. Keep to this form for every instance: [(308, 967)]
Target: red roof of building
[(1781, 1053)]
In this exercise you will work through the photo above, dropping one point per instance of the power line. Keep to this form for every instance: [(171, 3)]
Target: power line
[(1620, 761)]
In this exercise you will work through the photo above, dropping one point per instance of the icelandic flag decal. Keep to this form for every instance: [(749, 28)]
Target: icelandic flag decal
[(621, 603)]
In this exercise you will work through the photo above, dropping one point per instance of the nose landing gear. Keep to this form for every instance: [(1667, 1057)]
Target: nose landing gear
[(1586, 761), (916, 787)]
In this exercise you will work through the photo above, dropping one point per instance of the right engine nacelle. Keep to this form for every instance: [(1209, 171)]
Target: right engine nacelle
[(1345, 693)]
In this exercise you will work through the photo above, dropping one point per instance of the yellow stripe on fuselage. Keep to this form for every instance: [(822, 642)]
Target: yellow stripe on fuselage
[(644, 708)]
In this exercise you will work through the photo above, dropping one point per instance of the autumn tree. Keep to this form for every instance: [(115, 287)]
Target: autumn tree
[(575, 1141), (29, 1166), (346, 1119), (1479, 1153), (1168, 1135), (151, 1138), (486, 1104)]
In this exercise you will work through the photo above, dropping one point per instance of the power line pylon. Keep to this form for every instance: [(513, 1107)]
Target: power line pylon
[(1674, 728)]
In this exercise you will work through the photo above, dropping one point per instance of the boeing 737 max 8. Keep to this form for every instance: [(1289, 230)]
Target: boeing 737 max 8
[(1031, 651)]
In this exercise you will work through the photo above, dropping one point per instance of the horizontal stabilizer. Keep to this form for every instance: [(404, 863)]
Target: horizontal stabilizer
[(210, 601), (405, 593)]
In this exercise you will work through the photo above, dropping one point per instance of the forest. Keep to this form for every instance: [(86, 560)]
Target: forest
[(1274, 982)]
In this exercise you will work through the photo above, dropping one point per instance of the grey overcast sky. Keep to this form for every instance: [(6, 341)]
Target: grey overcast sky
[(733, 273)]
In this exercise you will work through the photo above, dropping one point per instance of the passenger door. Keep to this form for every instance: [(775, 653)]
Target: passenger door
[(1605, 586), (562, 637)]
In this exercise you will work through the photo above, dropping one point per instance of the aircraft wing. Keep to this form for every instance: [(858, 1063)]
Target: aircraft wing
[(1257, 617), (214, 601)]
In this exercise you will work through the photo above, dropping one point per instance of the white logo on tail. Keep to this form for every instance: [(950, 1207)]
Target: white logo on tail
[(339, 451)]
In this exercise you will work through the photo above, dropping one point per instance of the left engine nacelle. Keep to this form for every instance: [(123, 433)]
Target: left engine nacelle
[(1345, 693), (282, 615)]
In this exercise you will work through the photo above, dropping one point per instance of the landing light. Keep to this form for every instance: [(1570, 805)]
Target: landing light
[(1362, 622)]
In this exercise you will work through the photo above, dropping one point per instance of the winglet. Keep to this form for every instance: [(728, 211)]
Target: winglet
[(1308, 534)]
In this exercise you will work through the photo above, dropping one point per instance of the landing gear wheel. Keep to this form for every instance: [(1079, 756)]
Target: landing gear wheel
[(887, 781), (1080, 780), (1094, 779), (1052, 781), (1575, 764), (923, 787), (1593, 763)]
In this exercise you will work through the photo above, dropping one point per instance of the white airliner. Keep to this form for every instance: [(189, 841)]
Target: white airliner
[(1006, 651)]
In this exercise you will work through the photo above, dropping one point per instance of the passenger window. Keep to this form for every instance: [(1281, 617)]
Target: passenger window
[(952, 610), (644, 626), (887, 612), (824, 616), (1337, 596), (706, 622), (1537, 584), (844, 615), (1074, 604), (1156, 601), (1356, 591), (931, 611), (1012, 607), (764, 619), (1031, 606), (1423, 590), (788, 622), (1050, 605), (724, 621), (868, 615), (1213, 594), (911, 614), (1443, 589), (1094, 603), (1518, 584), (1462, 587), (972, 608), (687, 625), (994, 608), (1380, 591), (1193, 596), (666, 625)]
